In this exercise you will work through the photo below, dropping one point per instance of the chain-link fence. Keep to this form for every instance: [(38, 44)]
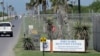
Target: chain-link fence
[(96, 32), (36, 26)]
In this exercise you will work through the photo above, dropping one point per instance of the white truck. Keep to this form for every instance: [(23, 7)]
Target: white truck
[(6, 28)]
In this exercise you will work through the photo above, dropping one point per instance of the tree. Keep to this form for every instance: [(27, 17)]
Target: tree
[(36, 3), (3, 8), (5, 14), (95, 6), (61, 9), (29, 7), (11, 10)]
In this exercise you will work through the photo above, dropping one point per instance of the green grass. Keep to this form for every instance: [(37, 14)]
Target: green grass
[(19, 51), (38, 53)]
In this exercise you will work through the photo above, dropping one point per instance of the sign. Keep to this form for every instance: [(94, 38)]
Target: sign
[(65, 45), (69, 45), (43, 39), (46, 46), (30, 27)]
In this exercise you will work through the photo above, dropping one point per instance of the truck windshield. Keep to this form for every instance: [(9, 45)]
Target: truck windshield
[(4, 24)]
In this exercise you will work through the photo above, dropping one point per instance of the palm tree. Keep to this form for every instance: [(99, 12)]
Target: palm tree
[(3, 8), (36, 3), (9, 7), (11, 10), (60, 7), (60, 4), (29, 7)]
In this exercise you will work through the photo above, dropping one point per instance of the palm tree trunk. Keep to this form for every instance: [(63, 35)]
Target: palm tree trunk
[(7, 12), (10, 14)]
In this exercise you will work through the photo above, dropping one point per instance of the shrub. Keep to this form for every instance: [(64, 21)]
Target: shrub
[(28, 45), (81, 31)]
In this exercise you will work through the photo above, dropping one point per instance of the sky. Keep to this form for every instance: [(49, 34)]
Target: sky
[(19, 5)]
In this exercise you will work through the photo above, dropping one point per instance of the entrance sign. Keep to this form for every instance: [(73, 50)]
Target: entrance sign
[(65, 45), (69, 45)]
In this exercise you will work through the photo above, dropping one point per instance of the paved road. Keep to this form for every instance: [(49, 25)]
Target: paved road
[(8, 43)]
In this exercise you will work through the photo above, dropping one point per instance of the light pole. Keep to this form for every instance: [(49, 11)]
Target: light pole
[(79, 11), (79, 7)]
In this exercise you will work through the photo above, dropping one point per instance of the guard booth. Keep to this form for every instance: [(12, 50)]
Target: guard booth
[(35, 26)]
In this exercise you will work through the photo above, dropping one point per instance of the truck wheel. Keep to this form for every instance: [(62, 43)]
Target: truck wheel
[(11, 34)]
